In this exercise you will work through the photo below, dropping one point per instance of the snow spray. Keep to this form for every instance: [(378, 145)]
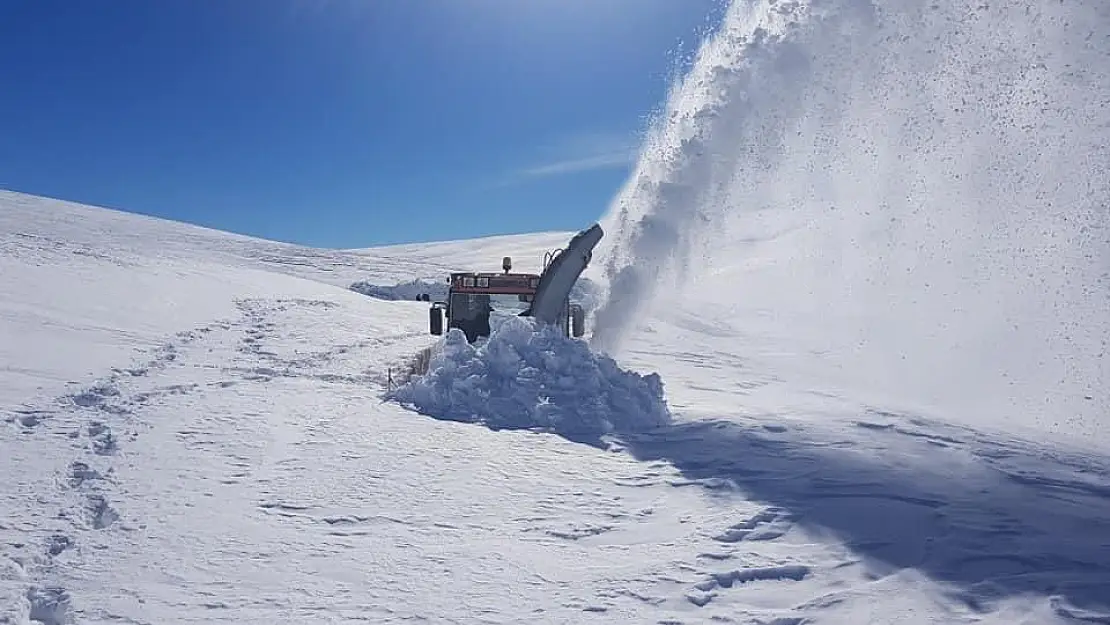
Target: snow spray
[(945, 166)]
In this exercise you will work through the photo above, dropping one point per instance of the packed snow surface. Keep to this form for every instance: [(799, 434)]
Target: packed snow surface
[(525, 376), (865, 248)]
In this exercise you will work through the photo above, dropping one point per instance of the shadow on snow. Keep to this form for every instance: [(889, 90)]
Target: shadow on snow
[(995, 522)]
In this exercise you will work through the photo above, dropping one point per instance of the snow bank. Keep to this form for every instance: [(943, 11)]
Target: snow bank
[(526, 377), (412, 290)]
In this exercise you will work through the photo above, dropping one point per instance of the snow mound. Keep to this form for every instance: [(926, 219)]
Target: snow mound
[(526, 376), (411, 290)]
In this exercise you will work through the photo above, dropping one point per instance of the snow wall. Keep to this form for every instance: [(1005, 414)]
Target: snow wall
[(918, 188), (436, 290), (526, 376)]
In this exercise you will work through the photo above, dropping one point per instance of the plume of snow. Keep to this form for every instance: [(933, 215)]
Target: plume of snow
[(941, 169)]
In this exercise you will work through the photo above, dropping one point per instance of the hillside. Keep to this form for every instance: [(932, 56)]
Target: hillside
[(194, 429)]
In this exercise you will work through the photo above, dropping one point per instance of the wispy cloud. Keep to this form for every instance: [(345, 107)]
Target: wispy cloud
[(607, 160), (582, 153)]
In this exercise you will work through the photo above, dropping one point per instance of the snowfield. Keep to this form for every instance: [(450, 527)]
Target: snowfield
[(205, 437), (847, 364)]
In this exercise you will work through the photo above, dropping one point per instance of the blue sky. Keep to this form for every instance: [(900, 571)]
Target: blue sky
[(338, 123)]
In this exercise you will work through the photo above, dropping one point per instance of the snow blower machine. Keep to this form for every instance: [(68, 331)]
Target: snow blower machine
[(476, 299), (473, 298)]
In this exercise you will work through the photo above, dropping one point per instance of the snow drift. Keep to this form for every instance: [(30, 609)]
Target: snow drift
[(436, 290), (525, 376), (915, 190)]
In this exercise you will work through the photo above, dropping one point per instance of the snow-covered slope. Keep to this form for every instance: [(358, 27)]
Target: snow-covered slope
[(858, 284), (198, 434), (127, 239), (526, 250), (193, 430)]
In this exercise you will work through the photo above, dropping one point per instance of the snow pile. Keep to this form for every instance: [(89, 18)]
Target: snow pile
[(411, 290), (529, 377)]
